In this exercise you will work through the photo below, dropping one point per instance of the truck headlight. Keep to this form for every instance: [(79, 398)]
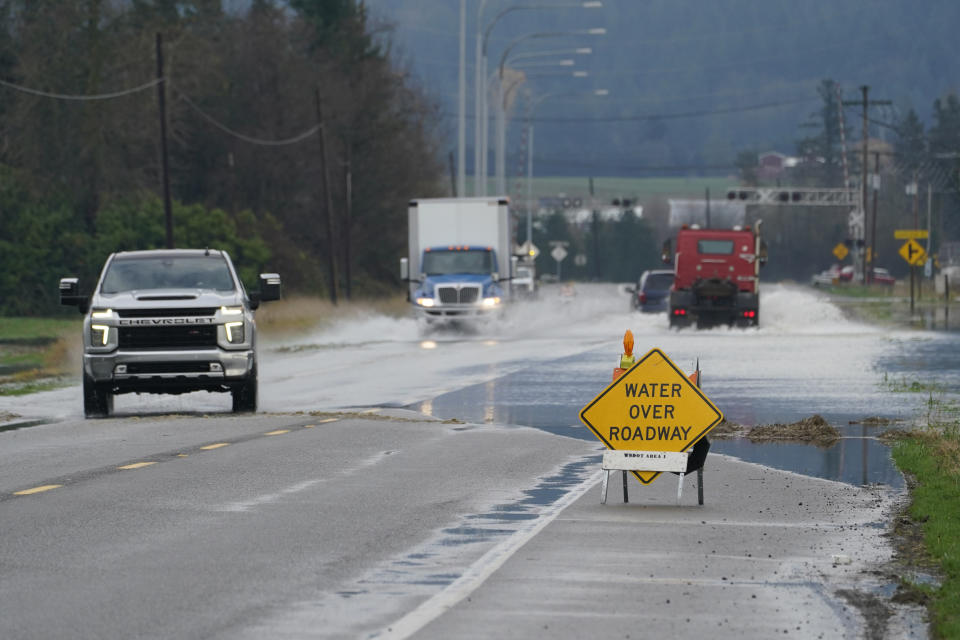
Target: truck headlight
[(234, 332), (99, 335), (491, 302), (231, 311), (102, 314), (426, 302)]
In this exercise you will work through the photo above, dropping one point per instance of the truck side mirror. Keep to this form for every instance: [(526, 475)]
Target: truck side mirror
[(763, 253), (514, 261), (269, 289), (70, 294), (404, 269), (666, 253)]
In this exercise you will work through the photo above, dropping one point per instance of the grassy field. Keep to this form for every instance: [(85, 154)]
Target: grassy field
[(37, 354), (931, 460), (927, 534)]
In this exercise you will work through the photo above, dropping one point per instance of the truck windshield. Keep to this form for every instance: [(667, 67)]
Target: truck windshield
[(722, 247), (438, 263), (167, 272)]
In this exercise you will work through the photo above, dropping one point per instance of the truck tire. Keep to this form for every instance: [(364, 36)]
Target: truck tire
[(97, 399), (245, 395)]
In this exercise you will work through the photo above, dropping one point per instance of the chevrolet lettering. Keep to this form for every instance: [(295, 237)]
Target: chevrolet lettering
[(160, 321)]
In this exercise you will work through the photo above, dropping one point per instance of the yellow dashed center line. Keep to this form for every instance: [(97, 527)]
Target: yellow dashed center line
[(215, 446), (41, 489), (136, 465), (309, 426), (278, 432), (325, 420)]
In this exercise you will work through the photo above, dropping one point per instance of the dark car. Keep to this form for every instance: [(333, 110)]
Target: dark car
[(652, 292)]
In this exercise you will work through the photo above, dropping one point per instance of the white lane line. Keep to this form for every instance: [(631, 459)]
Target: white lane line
[(477, 573)]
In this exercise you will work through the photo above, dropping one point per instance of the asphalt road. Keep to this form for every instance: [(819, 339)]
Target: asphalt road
[(327, 516)]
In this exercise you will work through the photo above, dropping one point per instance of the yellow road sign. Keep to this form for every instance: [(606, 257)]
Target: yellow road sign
[(911, 234), (840, 251), (653, 406), (913, 253)]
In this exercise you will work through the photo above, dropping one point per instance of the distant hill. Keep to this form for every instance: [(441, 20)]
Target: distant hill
[(691, 83)]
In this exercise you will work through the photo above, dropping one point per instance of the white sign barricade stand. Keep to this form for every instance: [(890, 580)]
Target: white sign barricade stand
[(670, 461)]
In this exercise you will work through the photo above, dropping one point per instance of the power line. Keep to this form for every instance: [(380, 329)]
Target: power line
[(677, 116), (85, 97), (259, 141), (664, 116), (626, 167)]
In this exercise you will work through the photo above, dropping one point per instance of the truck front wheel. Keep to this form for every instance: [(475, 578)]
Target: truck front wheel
[(245, 395), (97, 399)]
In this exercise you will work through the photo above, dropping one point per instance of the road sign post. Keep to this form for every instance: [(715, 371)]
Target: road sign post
[(558, 253), (913, 253), (652, 407)]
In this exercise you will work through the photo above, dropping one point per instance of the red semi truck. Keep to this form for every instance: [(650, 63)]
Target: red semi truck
[(717, 276)]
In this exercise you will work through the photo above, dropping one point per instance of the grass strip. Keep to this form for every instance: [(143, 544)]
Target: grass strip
[(932, 459)]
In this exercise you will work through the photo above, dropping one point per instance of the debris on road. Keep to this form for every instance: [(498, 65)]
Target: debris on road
[(813, 430)]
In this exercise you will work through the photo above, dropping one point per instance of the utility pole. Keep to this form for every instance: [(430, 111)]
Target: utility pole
[(595, 226), (866, 103), (873, 217), (707, 196), (348, 224), (453, 176), (164, 164), (916, 225), (325, 178)]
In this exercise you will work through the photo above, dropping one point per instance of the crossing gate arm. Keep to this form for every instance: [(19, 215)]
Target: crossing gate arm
[(671, 461)]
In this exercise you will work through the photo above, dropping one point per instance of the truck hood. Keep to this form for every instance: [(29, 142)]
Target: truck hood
[(166, 298)]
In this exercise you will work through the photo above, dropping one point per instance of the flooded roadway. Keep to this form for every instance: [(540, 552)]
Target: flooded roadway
[(804, 359)]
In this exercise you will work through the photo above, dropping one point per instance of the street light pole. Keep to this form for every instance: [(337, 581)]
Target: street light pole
[(533, 107), (480, 82), (462, 105), (501, 94)]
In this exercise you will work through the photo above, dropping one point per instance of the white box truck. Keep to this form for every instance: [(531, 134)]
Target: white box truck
[(459, 263)]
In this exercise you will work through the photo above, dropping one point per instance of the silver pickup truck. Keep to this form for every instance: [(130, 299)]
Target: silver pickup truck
[(169, 321)]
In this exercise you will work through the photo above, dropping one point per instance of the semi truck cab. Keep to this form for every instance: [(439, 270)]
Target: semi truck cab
[(456, 283)]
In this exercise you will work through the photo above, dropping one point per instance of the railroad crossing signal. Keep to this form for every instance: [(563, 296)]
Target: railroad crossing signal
[(803, 196), (913, 253), (840, 251), (653, 406)]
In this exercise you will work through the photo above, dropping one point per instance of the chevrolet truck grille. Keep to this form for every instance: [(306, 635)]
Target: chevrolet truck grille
[(168, 337)]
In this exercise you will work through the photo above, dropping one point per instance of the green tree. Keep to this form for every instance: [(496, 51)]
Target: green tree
[(911, 142), (823, 166)]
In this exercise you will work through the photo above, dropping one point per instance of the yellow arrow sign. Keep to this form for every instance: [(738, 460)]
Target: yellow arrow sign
[(840, 251), (911, 234), (913, 253), (653, 406)]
